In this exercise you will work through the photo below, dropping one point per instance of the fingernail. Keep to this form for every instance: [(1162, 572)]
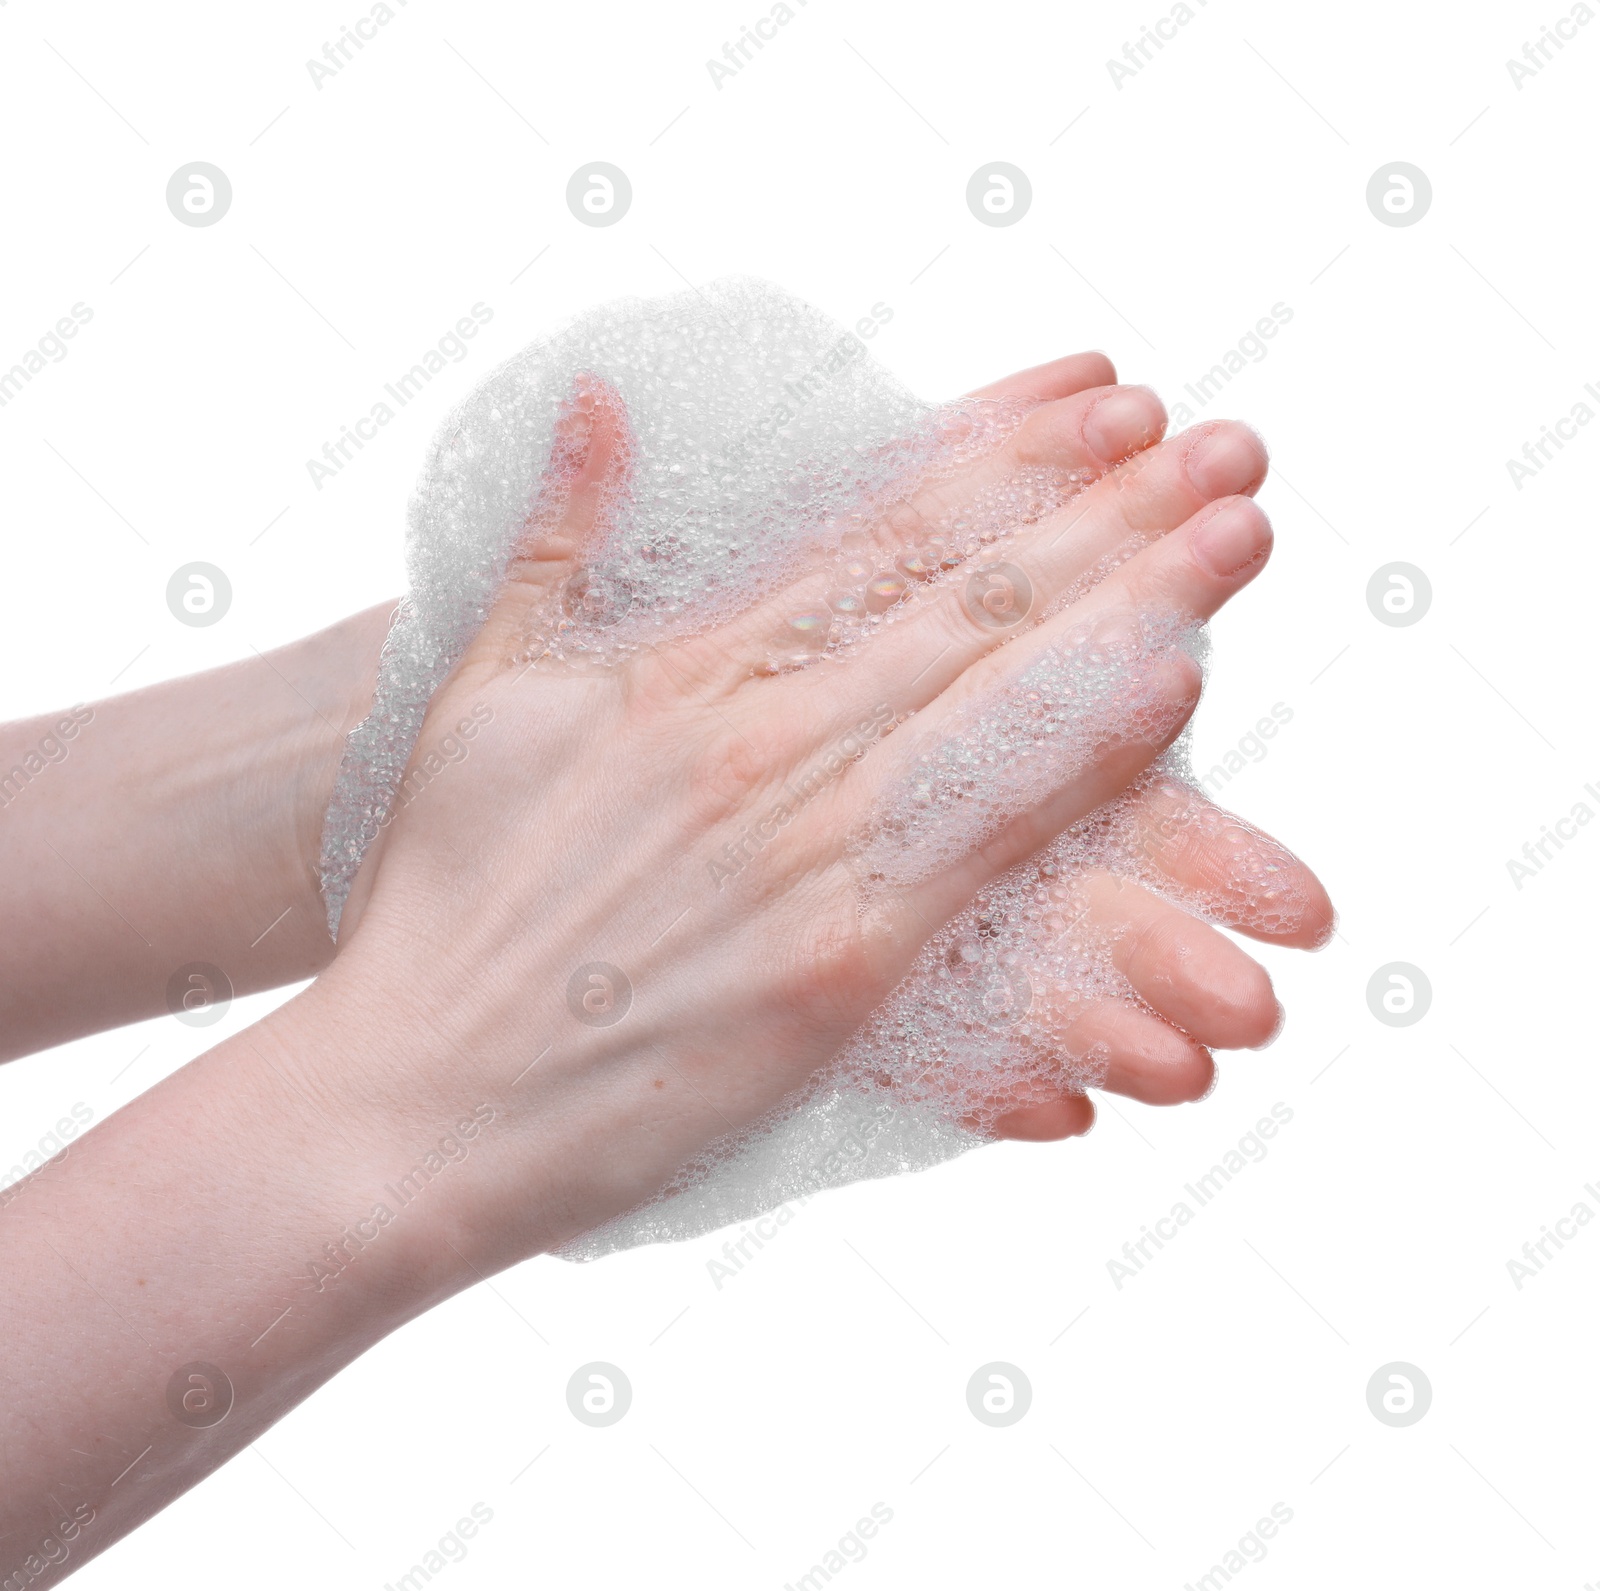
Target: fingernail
[(1227, 459), (1123, 420), (1233, 538)]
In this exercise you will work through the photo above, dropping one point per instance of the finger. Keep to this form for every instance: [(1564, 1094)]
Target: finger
[(1034, 740), (1112, 642), (1044, 464), (1060, 378), (1209, 558), (1157, 521), (1115, 1047), (1186, 971), (591, 457), (1116, 690), (1202, 991), (1177, 840), (1143, 1058), (1065, 1116)]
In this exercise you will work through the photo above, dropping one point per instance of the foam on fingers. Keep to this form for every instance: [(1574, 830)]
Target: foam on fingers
[(1012, 746), (756, 443)]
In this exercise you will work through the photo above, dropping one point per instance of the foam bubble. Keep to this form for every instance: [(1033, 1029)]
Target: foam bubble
[(764, 444), (1101, 686)]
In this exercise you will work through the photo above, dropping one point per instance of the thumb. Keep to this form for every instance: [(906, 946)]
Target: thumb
[(590, 466)]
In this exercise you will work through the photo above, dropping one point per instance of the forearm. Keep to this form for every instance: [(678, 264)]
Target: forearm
[(229, 1218), (172, 826)]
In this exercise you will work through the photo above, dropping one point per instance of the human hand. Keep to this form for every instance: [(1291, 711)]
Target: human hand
[(577, 826)]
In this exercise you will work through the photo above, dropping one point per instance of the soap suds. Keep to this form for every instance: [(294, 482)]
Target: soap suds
[(765, 445)]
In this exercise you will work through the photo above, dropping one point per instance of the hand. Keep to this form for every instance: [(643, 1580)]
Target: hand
[(433, 1108), (577, 825)]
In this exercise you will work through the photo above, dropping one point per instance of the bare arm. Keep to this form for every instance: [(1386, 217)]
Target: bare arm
[(445, 1100), (203, 1261), (172, 826)]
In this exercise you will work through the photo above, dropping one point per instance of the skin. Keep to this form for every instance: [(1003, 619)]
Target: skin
[(181, 825), (229, 1215)]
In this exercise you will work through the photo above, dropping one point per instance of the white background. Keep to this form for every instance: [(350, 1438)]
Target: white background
[(1174, 210)]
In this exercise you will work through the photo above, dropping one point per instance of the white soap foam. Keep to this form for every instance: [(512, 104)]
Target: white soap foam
[(765, 444), (1100, 686), (763, 437)]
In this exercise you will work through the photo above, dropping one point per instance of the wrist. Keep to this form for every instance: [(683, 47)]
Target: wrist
[(179, 828), (334, 673), (409, 1099), (539, 1128), (359, 1093)]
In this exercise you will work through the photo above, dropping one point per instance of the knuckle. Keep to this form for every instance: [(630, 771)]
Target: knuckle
[(735, 767), (1051, 431), (1155, 950), (827, 970)]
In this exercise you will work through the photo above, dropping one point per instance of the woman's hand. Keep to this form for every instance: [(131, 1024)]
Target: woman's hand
[(452, 1094), (566, 832)]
